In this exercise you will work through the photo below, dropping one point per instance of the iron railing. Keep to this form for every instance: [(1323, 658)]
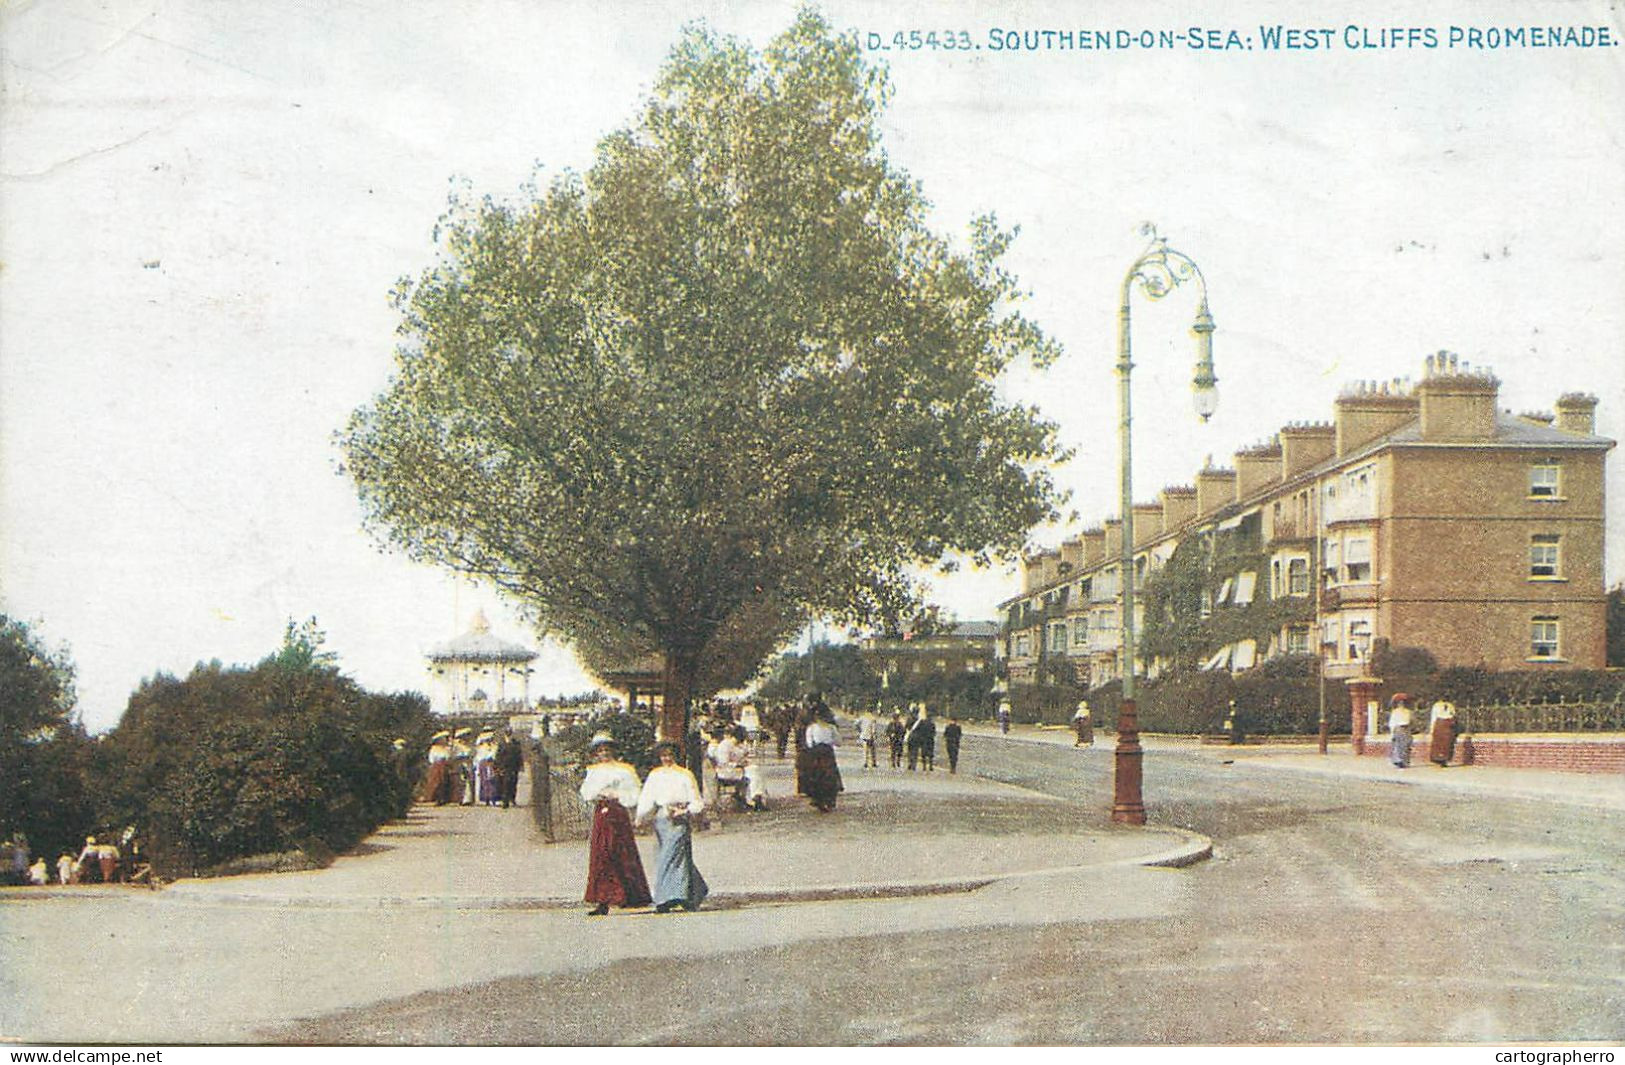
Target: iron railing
[(1558, 716), (555, 798)]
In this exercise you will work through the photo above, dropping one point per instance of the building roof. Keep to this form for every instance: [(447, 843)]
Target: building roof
[(974, 629), (1510, 431), (479, 645)]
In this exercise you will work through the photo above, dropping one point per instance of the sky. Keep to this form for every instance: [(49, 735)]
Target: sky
[(203, 208)]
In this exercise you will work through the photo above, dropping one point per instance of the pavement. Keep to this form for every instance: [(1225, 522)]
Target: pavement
[(1605, 790), (894, 834)]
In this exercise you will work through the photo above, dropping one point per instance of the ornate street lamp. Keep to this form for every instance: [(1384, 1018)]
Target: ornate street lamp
[(1158, 271)]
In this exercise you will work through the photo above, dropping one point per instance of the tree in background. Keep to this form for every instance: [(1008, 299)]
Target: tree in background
[(725, 380), (44, 751), (836, 670)]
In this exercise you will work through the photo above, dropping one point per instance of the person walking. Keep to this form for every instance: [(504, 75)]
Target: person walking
[(868, 731), (1083, 725), (1399, 731), (614, 870), (896, 730), (1442, 733), (671, 797), (510, 761), (951, 737), (1003, 715), (823, 776)]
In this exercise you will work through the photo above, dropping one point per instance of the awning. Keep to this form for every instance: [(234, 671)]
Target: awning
[(1246, 654), (1245, 583), (1220, 659)]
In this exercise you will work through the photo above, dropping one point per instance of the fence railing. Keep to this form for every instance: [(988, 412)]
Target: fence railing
[(555, 799), (1580, 717), (1543, 717)]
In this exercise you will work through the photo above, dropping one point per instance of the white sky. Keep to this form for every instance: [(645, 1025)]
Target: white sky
[(203, 207)]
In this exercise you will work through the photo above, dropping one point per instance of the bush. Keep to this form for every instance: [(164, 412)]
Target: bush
[(232, 763), (1277, 699)]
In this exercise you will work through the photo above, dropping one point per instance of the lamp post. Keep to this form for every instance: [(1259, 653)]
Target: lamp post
[(1158, 271)]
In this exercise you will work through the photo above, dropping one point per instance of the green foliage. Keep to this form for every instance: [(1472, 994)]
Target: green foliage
[(634, 736), (726, 378), (286, 755), (1277, 699), (836, 670), (43, 748), (1174, 628), (1390, 661)]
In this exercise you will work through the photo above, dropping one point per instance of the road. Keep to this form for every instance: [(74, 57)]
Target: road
[(1334, 910)]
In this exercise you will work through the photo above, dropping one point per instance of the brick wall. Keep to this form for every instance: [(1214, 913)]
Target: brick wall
[(1567, 754)]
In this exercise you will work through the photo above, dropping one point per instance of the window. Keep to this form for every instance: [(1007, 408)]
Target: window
[(1545, 480), (1297, 640), (1298, 576), (1544, 556), (1024, 646), (1330, 632), (1245, 583), (1206, 609), (1277, 586), (1357, 560), (1543, 637), (1080, 632), (1359, 638), (1057, 637), (1334, 555)]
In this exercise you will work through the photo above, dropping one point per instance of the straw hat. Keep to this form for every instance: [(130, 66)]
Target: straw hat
[(602, 739)]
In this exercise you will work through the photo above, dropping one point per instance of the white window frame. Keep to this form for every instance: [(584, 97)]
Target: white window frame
[(1024, 645), (1350, 574), (1546, 480), (1545, 638), (1357, 639), (1293, 587), (1546, 557), (1295, 640)]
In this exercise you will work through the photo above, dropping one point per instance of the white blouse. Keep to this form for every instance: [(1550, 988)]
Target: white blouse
[(611, 780), (822, 732), (669, 786)]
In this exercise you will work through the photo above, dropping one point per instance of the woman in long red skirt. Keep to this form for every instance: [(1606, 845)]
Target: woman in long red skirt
[(614, 870)]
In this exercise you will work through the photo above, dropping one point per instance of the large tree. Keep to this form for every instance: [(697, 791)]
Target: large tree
[(726, 378)]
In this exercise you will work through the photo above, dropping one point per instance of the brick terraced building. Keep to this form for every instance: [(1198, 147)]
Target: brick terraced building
[(1423, 515)]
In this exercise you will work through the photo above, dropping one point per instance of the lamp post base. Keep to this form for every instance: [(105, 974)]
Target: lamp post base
[(1127, 806)]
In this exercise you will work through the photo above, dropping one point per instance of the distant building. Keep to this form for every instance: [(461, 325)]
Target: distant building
[(478, 673), (1423, 515), (965, 647)]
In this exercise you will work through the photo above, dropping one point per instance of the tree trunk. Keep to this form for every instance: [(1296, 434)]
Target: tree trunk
[(676, 688)]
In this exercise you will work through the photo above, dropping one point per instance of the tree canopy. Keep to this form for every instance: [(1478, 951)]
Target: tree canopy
[(726, 378), (43, 747)]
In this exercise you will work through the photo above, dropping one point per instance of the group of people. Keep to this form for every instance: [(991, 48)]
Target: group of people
[(914, 736), (97, 862), (1441, 731), (671, 799), (473, 770)]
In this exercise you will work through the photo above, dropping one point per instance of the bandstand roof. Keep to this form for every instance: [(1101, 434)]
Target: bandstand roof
[(479, 645)]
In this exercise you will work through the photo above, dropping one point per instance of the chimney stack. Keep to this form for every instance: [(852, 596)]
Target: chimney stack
[(1178, 506), (1305, 444), (1457, 402), (1371, 409), (1147, 522), (1577, 413), (1215, 488), (1257, 467)]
